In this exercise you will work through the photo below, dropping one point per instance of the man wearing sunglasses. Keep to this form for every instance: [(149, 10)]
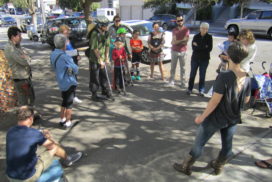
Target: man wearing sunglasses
[(113, 34), (180, 37), (113, 28)]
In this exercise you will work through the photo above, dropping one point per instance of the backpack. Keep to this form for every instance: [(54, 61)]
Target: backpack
[(94, 28), (156, 42)]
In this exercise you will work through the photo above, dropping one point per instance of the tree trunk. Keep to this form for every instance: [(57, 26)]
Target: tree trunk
[(242, 9), (86, 8), (33, 15)]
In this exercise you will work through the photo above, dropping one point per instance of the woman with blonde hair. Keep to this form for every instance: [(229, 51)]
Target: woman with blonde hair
[(247, 38), (65, 30)]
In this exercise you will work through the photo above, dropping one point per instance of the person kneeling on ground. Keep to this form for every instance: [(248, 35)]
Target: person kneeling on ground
[(22, 143), (223, 112)]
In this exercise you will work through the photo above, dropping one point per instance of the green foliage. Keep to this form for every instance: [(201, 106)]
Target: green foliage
[(71, 4), (76, 5), (231, 2), (156, 3), (204, 13), (2, 2), (267, 1), (18, 3), (94, 6)]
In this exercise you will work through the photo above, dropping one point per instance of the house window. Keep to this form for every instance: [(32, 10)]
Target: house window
[(110, 3)]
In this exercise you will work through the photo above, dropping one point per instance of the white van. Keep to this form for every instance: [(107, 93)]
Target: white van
[(107, 12)]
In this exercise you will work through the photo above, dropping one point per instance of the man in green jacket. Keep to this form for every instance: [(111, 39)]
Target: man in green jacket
[(98, 58), (19, 64)]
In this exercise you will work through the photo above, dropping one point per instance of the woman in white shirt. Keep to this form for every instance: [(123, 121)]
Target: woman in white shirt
[(247, 38)]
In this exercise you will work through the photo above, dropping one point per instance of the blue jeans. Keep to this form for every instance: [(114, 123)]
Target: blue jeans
[(205, 132), (202, 64)]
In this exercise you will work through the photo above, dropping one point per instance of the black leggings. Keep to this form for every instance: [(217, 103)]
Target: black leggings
[(98, 78), (119, 76), (68, 97)]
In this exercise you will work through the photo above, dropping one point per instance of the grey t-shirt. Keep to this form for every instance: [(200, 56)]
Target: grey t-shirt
[(228, 111)]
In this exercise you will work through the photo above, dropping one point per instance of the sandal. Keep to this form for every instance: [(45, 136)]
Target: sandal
[(263, 164)]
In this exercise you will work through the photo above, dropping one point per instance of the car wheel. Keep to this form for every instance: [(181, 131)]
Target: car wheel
[(51, 44), (64, 179), (233, 28), (35, 38), (270, 33), (145, 59), (164, 26)]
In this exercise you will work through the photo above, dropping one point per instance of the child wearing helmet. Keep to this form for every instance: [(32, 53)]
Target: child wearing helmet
[(119, 58), (121, 35), (121, 32)]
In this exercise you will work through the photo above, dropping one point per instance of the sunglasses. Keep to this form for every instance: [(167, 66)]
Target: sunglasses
[(180, 20), (117, 20)]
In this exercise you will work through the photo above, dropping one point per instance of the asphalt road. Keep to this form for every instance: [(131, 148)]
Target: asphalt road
[(139, 136)]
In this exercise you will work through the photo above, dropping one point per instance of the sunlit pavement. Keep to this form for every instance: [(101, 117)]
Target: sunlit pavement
[(138, 137)]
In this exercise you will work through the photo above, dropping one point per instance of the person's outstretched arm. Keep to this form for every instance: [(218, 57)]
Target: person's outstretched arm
[(212, 104)]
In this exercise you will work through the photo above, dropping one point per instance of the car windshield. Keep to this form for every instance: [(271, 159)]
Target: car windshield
[(144, 28), (8, 18), (253, 15), (169, 17)]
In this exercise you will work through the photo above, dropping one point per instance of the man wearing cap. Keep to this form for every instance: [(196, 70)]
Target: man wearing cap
[(98, 58), (113, 28)]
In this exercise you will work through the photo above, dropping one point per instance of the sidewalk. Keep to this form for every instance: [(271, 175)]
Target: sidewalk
[(137, 138)]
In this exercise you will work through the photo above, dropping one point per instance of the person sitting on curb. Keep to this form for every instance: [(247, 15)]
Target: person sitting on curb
[(22, 144), (231, 90)]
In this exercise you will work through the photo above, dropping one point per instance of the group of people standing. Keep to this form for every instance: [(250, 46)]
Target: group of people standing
[(231, 88)]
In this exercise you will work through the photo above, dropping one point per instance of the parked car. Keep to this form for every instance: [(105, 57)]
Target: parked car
[(31, 32), (260, 22), (78, 14), (20, 11), (145, 27), (24, 21), (51, 28), (8, 21), (166, 21)]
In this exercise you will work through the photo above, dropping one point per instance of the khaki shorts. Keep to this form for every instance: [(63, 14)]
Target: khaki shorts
[(44, 161)]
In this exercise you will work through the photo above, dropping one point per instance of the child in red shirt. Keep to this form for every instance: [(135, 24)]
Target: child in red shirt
[(119, 57), (137, 47)]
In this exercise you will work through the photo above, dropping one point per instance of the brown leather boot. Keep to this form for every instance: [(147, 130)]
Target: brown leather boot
[(186, 165), (218, 165)]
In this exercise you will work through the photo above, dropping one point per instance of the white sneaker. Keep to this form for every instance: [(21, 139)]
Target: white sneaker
[(77, 100), (171, 84), (72, 158)]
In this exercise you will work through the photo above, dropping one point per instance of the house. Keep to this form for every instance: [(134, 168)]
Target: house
[(128, 9), (256, 4)]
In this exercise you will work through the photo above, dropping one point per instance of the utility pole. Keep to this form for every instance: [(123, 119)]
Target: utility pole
[(43, 12), (33, 13)]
